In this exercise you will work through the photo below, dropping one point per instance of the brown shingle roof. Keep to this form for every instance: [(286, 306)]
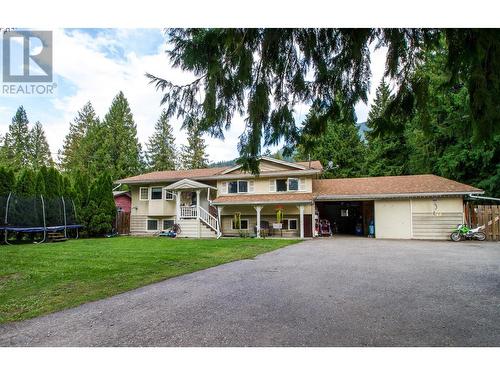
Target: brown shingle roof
[(261, 198), (388, 185), (174, 175), (194, 173)]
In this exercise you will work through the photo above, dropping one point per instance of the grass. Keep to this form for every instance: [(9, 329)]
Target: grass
[(40, 279)]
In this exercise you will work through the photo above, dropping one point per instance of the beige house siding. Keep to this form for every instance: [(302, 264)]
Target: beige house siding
[(261, 185)]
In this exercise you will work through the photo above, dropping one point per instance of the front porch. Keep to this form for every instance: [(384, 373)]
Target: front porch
[(192, 208), (262, 220)]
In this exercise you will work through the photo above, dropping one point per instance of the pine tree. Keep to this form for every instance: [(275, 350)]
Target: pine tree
[(53, 184), (161, 151), (73, 157), (16, 141), (39, 147), (120, 142), (193, 155), (388, 153)]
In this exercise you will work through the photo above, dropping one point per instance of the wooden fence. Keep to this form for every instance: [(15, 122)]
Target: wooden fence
[(487, 216), (122, 222)]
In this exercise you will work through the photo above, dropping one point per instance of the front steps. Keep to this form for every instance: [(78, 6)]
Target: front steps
[(194, 228)]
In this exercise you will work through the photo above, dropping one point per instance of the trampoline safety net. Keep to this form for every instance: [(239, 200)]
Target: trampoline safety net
[(36, 213)]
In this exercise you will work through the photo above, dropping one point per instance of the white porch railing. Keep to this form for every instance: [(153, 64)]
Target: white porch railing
[(189, 212), (210, 220)]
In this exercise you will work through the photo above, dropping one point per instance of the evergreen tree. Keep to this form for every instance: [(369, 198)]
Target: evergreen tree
[(102, 206), (387, 153), (73, 156), (16, 141), (7, 181), (329, 66), (39, 183), (193, 155), (38, 147), (25, 183), (339, 149), (53, 184), (120, 141), (161, 151)]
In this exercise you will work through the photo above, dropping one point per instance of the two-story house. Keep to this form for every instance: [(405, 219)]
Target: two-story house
[(227, 201)]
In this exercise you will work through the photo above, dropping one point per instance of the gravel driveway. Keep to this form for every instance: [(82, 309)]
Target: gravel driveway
[(340, 292)]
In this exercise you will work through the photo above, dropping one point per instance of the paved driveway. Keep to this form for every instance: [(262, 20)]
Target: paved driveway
[(341, 292)]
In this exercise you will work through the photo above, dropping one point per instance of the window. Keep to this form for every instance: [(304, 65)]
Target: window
[(292, 224), (152, 224), (289, 184), (156, 193), (242, 186), (235, 187), (232, 187), (281, 185), (143, 193), (168, 224), (293, 184), (344, 212), (169, 195), (243, 224)]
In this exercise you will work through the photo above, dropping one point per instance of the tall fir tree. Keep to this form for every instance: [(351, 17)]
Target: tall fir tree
[(73, 157), (161, 152), (193, 155), (39, 147), (25, 183), (120, 142), (16, 143), (7, 181), (339, 149), (388, 152)]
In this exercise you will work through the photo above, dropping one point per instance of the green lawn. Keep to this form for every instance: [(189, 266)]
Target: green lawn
[(39, 279)]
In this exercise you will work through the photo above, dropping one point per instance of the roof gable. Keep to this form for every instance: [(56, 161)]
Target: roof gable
[(268, 164), (188, 184)]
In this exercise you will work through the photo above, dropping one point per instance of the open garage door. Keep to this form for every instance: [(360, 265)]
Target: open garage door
[(347, 217)]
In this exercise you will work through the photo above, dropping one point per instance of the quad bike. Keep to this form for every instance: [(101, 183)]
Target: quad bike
[(463, 232)]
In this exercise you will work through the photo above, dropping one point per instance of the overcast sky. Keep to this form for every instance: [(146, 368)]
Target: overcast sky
[(94, 64)]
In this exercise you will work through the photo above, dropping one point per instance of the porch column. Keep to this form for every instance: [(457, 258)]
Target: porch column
[(198, 212), (219, 218), (301, 210), (178, 205), (258, 208)]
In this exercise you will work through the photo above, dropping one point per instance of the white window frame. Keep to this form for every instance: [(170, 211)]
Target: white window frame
[(287, 185), (147, 226), (296, 224), (165, 194), (140, 193), (241, 220), (151, 193), (238, 187)]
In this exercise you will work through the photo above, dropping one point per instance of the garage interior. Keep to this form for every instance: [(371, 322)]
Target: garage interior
[(347, 217)]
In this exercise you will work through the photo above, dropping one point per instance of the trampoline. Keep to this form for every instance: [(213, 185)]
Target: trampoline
[(37, 214)]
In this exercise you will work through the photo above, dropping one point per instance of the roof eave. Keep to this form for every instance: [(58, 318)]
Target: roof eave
[(243, 203), (324, 197)]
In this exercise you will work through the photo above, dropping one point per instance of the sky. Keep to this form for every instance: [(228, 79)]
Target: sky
[(95, 64)]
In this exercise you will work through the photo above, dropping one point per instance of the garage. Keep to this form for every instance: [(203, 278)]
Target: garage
[(399, 207), (347, 217)]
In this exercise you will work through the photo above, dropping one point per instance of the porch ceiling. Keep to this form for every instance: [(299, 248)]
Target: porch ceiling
[(243, 199)]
